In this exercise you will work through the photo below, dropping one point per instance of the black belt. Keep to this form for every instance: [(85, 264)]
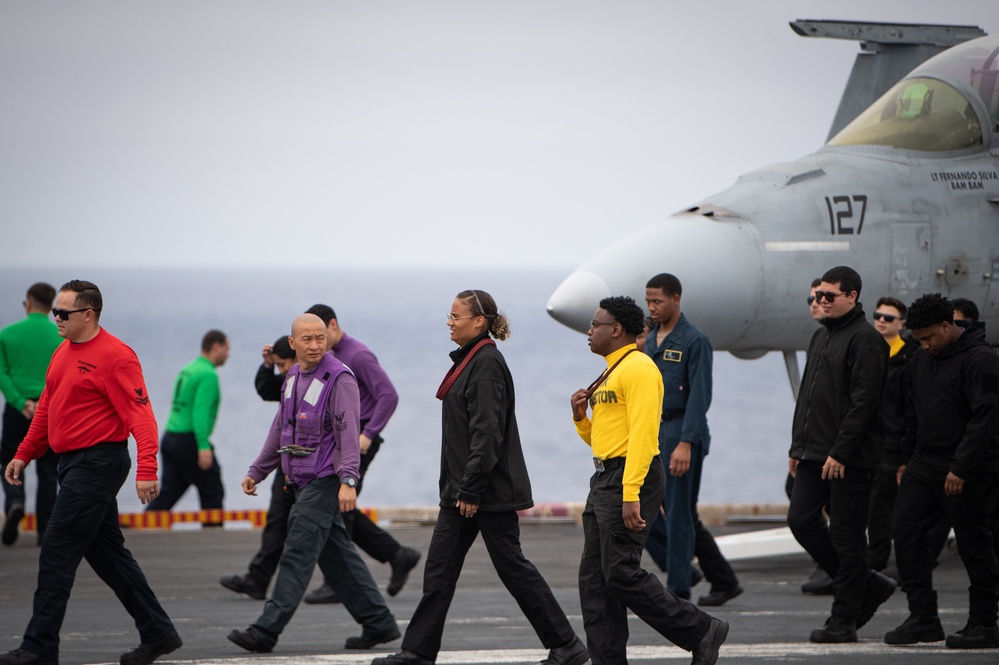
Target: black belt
[(673, 415), (602, 465)]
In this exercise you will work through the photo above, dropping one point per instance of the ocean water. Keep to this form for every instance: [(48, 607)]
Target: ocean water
[(400, 315)]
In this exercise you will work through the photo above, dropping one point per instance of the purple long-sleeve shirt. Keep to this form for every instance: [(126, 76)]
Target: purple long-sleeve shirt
[(378, 395), (343, 458)]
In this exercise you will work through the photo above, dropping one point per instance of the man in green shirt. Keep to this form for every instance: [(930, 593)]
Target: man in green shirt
[(188, 455), (26, 348)]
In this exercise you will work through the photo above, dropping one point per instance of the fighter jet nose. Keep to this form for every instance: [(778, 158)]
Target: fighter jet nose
[(572, 303)]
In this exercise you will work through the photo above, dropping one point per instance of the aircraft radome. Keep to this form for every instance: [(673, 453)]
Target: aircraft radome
[(906, 192)]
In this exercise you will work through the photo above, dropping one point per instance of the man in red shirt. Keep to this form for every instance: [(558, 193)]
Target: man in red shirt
[(94, 397)]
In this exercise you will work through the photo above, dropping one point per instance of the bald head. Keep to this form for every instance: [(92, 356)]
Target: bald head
[(308, 339)]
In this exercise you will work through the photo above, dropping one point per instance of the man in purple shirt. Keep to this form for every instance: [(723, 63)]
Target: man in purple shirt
[(314, 438), (378, 402)]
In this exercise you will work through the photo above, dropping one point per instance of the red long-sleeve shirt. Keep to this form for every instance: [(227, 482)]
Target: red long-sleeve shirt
[(94, 392)]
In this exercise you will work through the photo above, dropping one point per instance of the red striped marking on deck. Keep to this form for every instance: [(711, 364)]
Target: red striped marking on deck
[(163, 519)]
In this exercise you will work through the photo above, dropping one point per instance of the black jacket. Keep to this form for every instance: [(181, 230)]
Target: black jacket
[(953, 418), (897, 388), (268, 383), (482, 461), (839, 409)]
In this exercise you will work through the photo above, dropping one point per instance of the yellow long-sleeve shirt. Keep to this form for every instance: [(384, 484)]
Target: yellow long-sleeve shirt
[(627, 410)]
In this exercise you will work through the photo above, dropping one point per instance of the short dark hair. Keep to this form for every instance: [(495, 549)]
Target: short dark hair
[(892, 302), (847, 278), (930, 310), (626, 312), (211, 338), (282, 349), (87, 295), (966, 307), (816, 282), (669, 284), (42, 293), (324, 312)]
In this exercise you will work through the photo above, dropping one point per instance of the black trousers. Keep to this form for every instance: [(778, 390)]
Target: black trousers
[(921, 496), (880, 522), (84, 525), (181, 470), (880, 517), (453, 535), (365, 534), (15, 428), (611, 579), (840, 548)]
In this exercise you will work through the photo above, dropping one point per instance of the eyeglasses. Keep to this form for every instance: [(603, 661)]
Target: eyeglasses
[(594, 324), (887, 318), (811, 299), (64, 313), (828, 296), (452, 318)]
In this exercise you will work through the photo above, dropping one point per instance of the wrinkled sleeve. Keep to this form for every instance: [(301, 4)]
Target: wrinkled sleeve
[(127, 393), (372, 375), (695, 418), (868, 365), (486, 398), (207, 397), (7, 387), (981, 389), (345, 405), (644, 416), (268, 384)]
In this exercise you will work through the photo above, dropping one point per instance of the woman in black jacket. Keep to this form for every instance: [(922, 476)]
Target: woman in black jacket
[(483, 484)]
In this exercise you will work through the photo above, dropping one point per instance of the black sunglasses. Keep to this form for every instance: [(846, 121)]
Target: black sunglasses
[(811, 299), (828, 296), (64, 313), (887, 318)]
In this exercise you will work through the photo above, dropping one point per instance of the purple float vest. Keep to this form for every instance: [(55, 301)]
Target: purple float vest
[(303, 422)]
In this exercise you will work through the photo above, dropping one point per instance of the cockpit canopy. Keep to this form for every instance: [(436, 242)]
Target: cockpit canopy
[(939, 107)]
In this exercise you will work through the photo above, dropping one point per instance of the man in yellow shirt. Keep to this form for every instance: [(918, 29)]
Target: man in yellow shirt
[(625, 496)]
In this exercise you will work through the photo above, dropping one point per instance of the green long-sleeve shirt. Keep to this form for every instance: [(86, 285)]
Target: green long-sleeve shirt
[(26, 347), (196, 398)]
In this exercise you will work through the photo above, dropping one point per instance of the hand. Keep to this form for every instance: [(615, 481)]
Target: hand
[(679, 461), (467, 509), (147, 490), (833, 470), (578, 402), (631, 512), (268, 358), (364, 443), (13, 471), (899, 474), (953, 485), (348, 498), (205, 459), (792, 466), (30, 406), (249, 486)]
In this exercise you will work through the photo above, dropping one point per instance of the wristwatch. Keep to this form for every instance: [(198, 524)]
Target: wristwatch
[(349, 482)]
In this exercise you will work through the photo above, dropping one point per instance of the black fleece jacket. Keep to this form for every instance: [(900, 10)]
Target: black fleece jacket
[(953, 414), (839, 412), (482, 461)]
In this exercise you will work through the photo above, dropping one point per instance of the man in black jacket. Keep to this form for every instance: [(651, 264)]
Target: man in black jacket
[(836, 440), (949, 464), (889, 318)]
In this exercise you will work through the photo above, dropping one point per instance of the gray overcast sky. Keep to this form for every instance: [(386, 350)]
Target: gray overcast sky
[(398, 133)]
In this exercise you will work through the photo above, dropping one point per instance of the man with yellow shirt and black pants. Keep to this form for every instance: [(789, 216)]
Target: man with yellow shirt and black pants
[(625, 496)]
